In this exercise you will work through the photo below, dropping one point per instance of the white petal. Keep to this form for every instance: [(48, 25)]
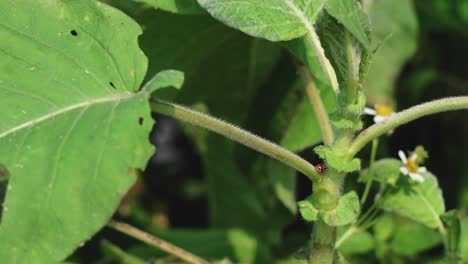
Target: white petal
[(422, 169), (379, 118), (369, 111), (404, 170), (402, 156), (413, 157), (417, 177)]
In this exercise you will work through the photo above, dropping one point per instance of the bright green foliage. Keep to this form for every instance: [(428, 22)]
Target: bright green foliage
[(421, 202), (307, 209), (393, 23), (338, 159), (175, 6), (360, 241), (385, 171), (162, 84), (350, 14), (275, 20), (464, 239), (74, 130), (346, 212)]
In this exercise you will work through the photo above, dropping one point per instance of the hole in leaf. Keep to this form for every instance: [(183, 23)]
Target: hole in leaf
[(112, 84), (141, 120), (74, 33)]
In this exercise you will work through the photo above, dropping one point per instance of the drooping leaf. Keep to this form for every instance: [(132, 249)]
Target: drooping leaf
[(421, 202), (74, 128), (349, 13), (346, 212), (175, 6), (394, 23), (275, 20)]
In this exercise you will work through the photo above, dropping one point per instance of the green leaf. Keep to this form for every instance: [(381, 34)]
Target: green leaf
[(410, 238), (337, 159), (308, 210), (346, 212), (349, 13), (384, 227), (421, 202), (343, 50), (359, 242), (394, 23), (163, 83), (275, 20), (175, 6), (73, 128)]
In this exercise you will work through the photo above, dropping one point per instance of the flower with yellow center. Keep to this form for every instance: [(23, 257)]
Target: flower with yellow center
[(411, 168), (380, 112)]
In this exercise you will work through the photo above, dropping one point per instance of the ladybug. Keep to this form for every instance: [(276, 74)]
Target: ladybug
[(320, 168)]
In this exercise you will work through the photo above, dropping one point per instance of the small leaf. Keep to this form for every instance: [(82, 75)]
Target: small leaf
[(308, 210), (163, 83), (175, 6), (341, 163), (385, 171), (346, 212), (349, 13), (384, 227), (275, 20)]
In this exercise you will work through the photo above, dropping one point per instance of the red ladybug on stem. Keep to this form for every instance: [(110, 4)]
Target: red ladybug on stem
[(320, 168)]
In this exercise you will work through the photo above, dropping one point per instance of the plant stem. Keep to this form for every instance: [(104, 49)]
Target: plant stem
[(314, 41), (157, 242), (351, 230), (415, 112), (237, 134), (317, 105), (323, 243), (375, 143)]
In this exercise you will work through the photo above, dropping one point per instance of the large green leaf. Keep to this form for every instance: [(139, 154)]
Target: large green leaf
[(175, 6), (421, 202), (394, 23), (274, 20), (410, 238), (73, 127)]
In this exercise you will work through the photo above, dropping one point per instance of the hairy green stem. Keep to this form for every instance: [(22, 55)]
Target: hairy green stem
[(323, 243), (157, 242), (314, 41), (237, 134), (375, 143), (317, 105), (413, 113)]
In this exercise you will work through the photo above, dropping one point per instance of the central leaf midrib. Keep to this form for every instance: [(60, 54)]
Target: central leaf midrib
[(64, 110)]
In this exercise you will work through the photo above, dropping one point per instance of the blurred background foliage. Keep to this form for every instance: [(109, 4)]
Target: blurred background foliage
[(221, 200)]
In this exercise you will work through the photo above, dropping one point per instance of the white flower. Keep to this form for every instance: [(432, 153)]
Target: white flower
[(380, 113), (410, 167)]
